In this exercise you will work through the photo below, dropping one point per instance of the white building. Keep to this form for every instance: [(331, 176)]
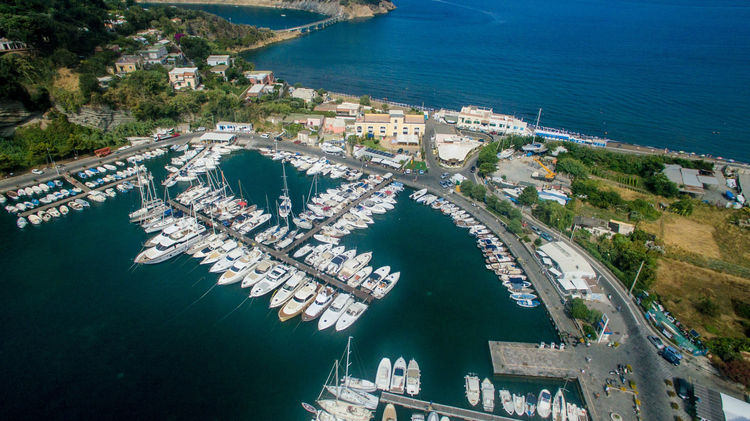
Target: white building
[(184, 77), (305, 94), (571, 270), (231, 127), (485, 120), (216, 60), (217, 137)]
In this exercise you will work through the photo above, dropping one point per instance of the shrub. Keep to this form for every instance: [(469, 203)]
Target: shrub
[(671, 394), (707, 306)]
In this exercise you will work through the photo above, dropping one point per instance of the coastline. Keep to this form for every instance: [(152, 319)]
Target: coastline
[(329, 8)]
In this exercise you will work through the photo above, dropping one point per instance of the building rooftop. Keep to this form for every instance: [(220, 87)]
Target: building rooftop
[(570, 262), (128, 59), (413, 118), (455, 151), (376, 118), (181, 70), (217, 57), (220, 68)]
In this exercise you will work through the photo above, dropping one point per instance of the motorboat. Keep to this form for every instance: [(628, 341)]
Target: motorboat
[(303, 251), (375, 278), (354, 396), (559, 408), (413, 378), (351, 266), (228, 261), (383, 375), (259, 272), (334, 266), (519, 404), (344, 410), (35, 220), (21, 222), (326, 239), (350, 316), (544, 404), (386, 285), (202, 248), (362, 274), (302, 298), (488, 395), (433, 416), (176, 243), (471, 384), (527, 303), (321, 261), (277, 276), (290, 287), (417, 417), (530, 404), (335, 310), (389, 413), (219, 253), (417, 194), (241, 267), (507, 400), (398, 377), (322, 301)]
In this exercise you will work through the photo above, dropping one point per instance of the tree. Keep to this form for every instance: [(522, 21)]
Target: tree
[(195, 48), (486, 169), (467, 186), (528, 196), (578, 309), (708, 307), (478, 192), (572, 167), (515, 226), (364, 100), (682, 207)]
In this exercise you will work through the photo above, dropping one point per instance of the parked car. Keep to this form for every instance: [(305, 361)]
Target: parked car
[(683, 388), (473, 169), (37, 171), (672, 355), (265, 136), (656, 341), (444, 175), (546, 236)]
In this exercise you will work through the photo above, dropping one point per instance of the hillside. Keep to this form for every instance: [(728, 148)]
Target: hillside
[(348, 8)]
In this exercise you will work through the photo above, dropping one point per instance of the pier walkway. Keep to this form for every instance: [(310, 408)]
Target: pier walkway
[(76, 183), (449, 411), (276, 254), (309, 27), (316, 228), (78, 196)]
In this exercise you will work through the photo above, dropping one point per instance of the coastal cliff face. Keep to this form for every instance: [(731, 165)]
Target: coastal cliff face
[(98, 117), (351, 10)]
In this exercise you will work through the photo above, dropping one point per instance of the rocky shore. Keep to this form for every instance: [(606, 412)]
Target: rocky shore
[(352, 10)]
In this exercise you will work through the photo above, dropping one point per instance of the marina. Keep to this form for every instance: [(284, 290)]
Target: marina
[(445, 410)]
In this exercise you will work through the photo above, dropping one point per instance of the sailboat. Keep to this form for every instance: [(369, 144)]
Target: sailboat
[(338, 405), (285, 203)]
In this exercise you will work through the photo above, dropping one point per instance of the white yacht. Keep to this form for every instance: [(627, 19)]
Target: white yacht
[(227, 261), (488, 395), (362, 274), (304, 250), (354, 396), (386, 285), (171, 246), (383, 375), (374, 279), (334, 266), (519, 404), (544, 404), (302, 298), (336, 309), (219, 253), (398, 378), (351, 266), (413, 377), (472, 389), (322, 301), (290, 287), (277, 276), (417, 194), (241, 267), (559, 409), (350, 316), (507, 401), (258, 273)]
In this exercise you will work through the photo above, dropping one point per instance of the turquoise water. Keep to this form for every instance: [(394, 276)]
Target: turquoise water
[(666, 73), (87, 333)]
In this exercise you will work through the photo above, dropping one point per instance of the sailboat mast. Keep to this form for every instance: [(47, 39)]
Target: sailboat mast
[(348, 351)]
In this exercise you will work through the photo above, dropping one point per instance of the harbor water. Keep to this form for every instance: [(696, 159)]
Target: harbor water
[(86, 332), (670, 74)]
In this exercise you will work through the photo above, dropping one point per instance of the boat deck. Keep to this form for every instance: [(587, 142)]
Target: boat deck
[(450, 411)]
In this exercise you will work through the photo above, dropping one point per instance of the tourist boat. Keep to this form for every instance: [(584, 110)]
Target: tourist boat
[(383, 375), (386, 285), (362, 274), (300, 301), (21, 222), (389, 413), (304, 250), (344, 410), (335, 310), (519, 404), (374, 279), (354, 396), (241, 267), (351, 266), (471, 384), (417, 194), (527, 303), (287, 291), (544, 404), (413, 377), (359, 384), (322, 301), (277, 276), (350, 316), (530, 404), (398, 377), (488, 395), (559, 408), (257, 273)]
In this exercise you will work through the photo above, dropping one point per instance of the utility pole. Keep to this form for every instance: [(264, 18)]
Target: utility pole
[(630, 292)]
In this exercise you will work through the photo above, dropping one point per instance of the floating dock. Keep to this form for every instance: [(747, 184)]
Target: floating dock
[(452, 412)]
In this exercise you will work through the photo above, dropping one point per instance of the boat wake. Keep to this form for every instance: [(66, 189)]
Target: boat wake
[(230, 313), (494, 16)]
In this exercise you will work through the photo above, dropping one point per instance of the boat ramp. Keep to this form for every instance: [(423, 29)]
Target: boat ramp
[(450, 411)]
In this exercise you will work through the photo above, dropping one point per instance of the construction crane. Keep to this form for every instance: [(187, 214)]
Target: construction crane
[(550, 174)]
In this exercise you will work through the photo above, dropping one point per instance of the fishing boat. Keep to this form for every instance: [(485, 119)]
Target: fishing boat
[(413, 378), (519, 404), (335, 310), (302, 298), (488, 395), (559, 408), (530, 404), (398, 378), (527, 303), (350, 316), (287, 291), (389, 414), (544, 404), (383, 375), (471, 384), (322, 301)]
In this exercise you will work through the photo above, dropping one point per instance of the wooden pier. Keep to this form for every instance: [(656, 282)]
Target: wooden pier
[(452, 412), (279, 255), (78, 196)]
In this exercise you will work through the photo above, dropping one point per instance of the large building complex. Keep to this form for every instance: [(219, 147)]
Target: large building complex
[(485, 120), (404, 128), (572, 271)]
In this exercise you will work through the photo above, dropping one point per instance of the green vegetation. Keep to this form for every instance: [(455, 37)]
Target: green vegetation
[(588, 317), (529, 196), (590, 191), (503, 208), (554, 215), (417, 166), (487, 159), (364, 100)]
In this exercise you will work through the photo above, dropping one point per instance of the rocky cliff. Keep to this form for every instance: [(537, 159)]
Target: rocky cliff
[(12, 113), (98, 117), (352, 8)]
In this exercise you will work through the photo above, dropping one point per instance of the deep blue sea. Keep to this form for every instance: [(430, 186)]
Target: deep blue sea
[(665, 73)]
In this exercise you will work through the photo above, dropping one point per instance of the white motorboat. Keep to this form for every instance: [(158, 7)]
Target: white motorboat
[(334, 266), (417, 194), (351, 266), (350, 316), (201, 248), (345, 410), (174, 244), (389, 413), (519, 404), (507, 400), (433, 416), (277, 276), (300, 301), (35, 220), (336, 309), (386, 285), (321, 261), (471, 384), (375, 278), (488, 395), (354, 396), (362, 274), (257, 273), (220, 252), (54, 212), (326, 239), (241, 267), (398, 377), (322, 301), (383, 375), (413, 378), (21, 222), (417, 417), (228, 261), (559, 408), (544, 404), (290, 287), (303, 251)]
